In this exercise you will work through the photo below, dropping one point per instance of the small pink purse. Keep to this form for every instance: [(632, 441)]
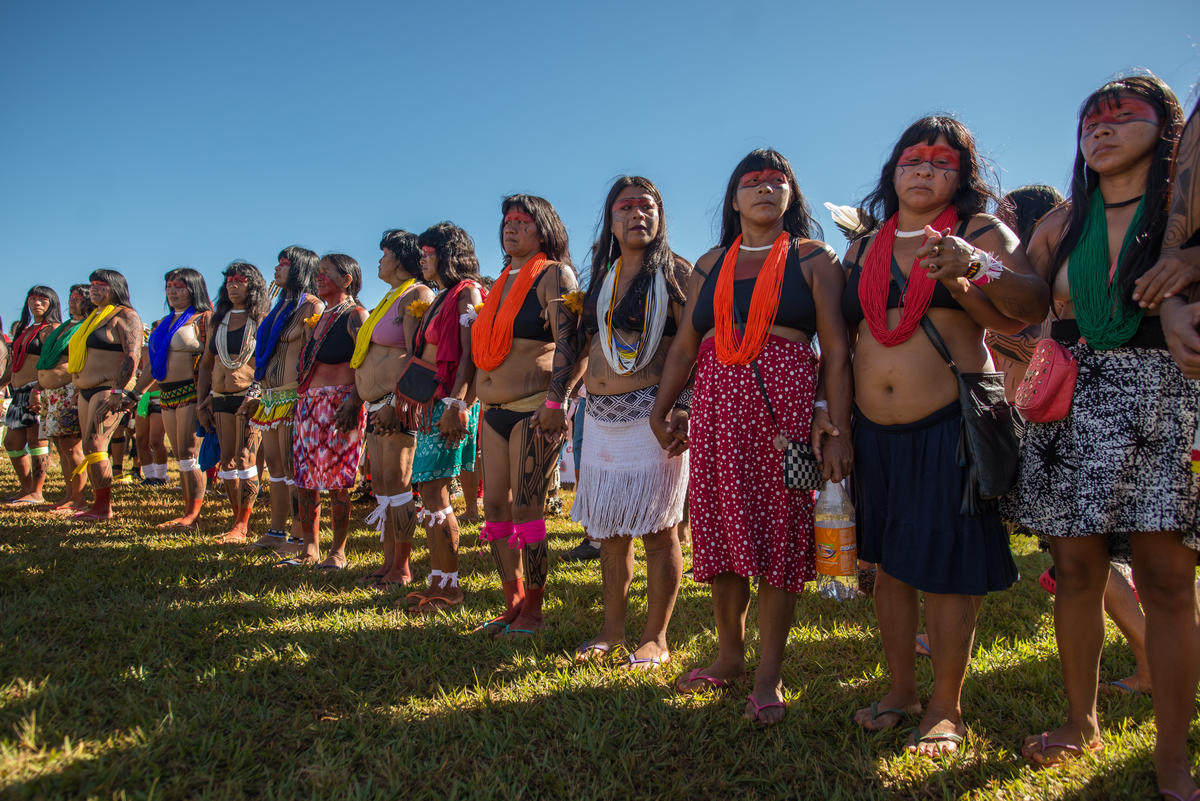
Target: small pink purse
[(1049, 385)]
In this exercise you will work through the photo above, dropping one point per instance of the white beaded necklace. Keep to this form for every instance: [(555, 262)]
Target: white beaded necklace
[(757, 249), (910, 234)]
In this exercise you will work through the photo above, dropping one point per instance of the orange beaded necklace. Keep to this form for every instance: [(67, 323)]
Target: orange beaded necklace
[(735, 348), (492, 333)]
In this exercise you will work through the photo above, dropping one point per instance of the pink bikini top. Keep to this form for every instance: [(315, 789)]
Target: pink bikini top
[(389, 331)]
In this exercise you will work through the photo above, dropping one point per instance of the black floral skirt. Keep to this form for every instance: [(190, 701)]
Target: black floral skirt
[(1120, 461)]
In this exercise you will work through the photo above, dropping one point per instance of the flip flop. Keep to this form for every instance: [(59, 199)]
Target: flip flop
[(426, 605), (646, 662), (876, 713), (324, 566), (1047, 581), (1171, 795), (923, 648), (491, 628), (1119, 688), (934, 739), (292, 562), (516, 634), (588, 649), (1067, 751), (23, 502), (758, 709), (694, 676)]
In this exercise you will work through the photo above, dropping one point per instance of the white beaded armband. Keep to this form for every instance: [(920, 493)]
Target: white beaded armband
[(466, 318), (984, 268), (455, 403)]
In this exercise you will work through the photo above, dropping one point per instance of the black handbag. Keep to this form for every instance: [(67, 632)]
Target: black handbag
[(987, 444), (418, 382)]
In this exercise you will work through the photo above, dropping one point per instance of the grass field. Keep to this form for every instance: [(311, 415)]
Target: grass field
[(137, 664)]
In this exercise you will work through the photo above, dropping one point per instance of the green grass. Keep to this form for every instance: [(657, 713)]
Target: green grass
[(137, 664)]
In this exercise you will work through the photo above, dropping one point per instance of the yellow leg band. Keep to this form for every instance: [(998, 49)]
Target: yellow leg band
[(91, 458)]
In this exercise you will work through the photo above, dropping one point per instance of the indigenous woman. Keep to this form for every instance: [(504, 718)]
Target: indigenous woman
[(151, 436), (55, 401), (102, 357), (330, 421), (226, 373), (277, 346), (380, 345), (754, 305), (448, 426), (525, 349), (1138, 490), (627, 486), (29, 449), (176, 344), (918, 517)]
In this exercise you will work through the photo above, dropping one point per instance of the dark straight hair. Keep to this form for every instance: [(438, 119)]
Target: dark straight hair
[(197, 290), (256, 293), (454, 250), (1084, 180), (973, 193), (302, 278), (118, 288), (53, 313), (550, 226), (1022, 208), (658, 254), (797, 217), (404, 247), (345, 265), (82, 289)]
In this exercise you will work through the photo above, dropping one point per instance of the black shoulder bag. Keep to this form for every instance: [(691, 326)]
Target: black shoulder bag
[(987, 444)]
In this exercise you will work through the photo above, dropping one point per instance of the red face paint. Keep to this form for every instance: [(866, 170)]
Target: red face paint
[(758, 177), (1127, 109), (939, 156), (426, 250), (627, 205), (176, 285), (39, 297), (518, 216), (236, 279), (100, 284)]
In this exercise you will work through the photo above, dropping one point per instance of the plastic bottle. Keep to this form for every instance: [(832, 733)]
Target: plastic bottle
[(837, 550)]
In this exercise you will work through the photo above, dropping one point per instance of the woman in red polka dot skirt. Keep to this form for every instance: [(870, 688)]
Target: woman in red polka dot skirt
[(755, 304)]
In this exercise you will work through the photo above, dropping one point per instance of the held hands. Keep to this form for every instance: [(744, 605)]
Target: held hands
[(945, 258), (115, 400), (1180, 323), (551, 423), (833, 451), (347, 415), (383, 420), (1174, 272), (249, 407), (35, 401), (453, 425), (672, 431)]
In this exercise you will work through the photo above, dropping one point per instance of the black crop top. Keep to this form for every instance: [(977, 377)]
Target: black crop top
[(94, 341), (233, 340), (797, 310), (529, 323), (636, 322), (338, 345), (942, 299)]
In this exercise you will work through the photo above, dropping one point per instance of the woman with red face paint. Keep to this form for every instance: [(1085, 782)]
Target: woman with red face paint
[(330, 420), (224, 381), (380, 346), (447, 426), (1114, 475), (525, 348), (934, 254), (628, 487), (102, 357), (27, 447), (176, 344), (755, 304)]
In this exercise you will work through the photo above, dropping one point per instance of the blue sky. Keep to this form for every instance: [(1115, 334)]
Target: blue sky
[(146, 136)]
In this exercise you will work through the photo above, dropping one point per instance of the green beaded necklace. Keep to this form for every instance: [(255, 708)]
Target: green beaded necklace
[(1104, 320)]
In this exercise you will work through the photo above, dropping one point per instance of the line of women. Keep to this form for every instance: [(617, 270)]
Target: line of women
[(702, 382)]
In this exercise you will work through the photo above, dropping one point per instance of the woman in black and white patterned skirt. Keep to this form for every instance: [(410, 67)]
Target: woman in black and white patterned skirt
[(1114, 474)]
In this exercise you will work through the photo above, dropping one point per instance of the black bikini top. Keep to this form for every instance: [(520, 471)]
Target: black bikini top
[(797, 310), (94, 341), (233, 340), (529, 323), (942, 299), (338, 345), (632, 323)]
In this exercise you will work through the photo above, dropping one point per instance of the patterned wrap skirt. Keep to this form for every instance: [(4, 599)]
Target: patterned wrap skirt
[(177, 394), (1120, 461), (744, 520), (60, 412), (435, 458), (628, 486), (325, 458), (18, 414), (276, 406)]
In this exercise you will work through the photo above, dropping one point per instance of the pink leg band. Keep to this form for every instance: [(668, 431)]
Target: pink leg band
[(529, 533), (496, 531)]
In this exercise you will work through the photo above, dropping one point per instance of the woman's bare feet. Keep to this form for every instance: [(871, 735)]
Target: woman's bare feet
[(717, 676), (1064, 744), (765, 705), (937, 737)]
